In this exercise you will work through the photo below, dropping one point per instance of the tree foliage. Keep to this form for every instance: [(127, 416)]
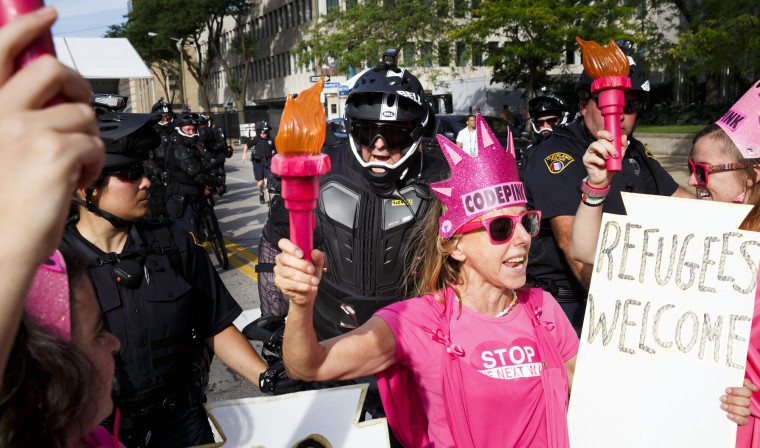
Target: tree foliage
[(719, 37), (358, 36), (199, 24), (537, 34)]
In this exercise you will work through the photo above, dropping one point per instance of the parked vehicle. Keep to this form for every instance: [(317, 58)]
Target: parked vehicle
[(338, 127), (450, 125)]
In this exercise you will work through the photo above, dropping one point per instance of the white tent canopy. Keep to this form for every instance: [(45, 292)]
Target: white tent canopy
[(101, 57)]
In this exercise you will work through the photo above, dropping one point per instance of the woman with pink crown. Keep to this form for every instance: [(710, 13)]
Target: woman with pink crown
[(725, 166), (475, 345)]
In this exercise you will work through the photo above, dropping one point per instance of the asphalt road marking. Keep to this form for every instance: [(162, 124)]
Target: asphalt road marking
[(242, 259)]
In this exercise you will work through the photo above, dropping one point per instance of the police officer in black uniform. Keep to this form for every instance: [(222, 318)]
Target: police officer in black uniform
[(190, 174), (156, 168), (160, 295), (214, 151), (553, 177), (263, 149), (375, 194)]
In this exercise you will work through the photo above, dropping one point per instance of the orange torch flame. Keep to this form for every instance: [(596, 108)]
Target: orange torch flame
[(603, 61), (303, 124)]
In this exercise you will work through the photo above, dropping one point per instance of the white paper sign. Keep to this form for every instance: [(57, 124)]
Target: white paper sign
[(667, 326), (329, 416)]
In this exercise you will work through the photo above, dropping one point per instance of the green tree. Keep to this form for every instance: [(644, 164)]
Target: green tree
[(718, 38), (359, 35), (537, 33), (199, 24)]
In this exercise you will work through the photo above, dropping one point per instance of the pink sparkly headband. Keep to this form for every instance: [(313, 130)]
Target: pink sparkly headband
[(48, 300)]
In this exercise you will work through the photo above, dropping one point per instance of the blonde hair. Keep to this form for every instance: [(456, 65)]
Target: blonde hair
[(434, 269)]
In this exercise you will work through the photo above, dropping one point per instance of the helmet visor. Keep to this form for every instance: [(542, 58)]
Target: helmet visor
[(395, 135)]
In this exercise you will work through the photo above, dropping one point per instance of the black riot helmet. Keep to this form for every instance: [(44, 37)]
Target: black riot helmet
[(128, 140), (263, 126), (389, 103), (161, 107), (639, 82), (185, 119), (547, 105), (203, 120)]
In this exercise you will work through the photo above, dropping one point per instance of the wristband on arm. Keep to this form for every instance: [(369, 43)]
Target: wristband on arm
[(593, 197)]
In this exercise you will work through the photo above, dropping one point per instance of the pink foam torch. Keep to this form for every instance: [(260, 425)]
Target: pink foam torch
[(300, 163), (608, 66), (9, 10)]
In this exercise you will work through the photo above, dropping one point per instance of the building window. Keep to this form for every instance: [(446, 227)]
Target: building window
[(477, 56), (493, 49), (333, 5), (350, 4), (460, 8), (426, 54), (570, 57), (444, 53), (475, 5), (442, 8), (308, 11), (409, 54), (461, 54)]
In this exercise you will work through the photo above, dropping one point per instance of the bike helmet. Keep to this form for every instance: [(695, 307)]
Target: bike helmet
[(161, 107), (639, 82), (128, 140), (185, 119), (387, 102), (263, 126), (547, 104)]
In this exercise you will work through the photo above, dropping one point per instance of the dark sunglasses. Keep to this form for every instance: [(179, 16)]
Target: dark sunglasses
[(700, 170), (631, 106), (394, 135), (129, 173), (501, 228), (550, 121)]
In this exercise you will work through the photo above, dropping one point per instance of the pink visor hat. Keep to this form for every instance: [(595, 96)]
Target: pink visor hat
[(478, 184), (47, 303), (742, 123)]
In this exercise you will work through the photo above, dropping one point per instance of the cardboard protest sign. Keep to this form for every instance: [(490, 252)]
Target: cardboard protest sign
[(326, 418), (667, 325)]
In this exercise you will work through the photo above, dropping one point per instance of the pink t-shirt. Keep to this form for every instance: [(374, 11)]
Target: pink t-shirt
[(749, 435), (503, 379)]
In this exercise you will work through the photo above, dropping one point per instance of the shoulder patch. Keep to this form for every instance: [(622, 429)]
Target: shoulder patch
[(558, 162), (647, 153)]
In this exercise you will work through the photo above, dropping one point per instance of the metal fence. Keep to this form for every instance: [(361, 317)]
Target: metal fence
[(229, 121)]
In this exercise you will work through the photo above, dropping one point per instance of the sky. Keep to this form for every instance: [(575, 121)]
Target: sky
[(86, 18)]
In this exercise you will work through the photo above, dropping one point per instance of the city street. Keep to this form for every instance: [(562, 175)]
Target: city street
[(241, 218)]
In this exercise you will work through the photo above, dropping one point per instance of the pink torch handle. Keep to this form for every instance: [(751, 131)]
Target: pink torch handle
[(611, 103), (300, 190), (300, 194), (9, 10), (611, 91)]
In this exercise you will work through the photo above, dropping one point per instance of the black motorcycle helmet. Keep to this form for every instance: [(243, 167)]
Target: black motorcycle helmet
[(389, 99), (128, 140), (547, 104), (184, 119), (639, 82), (161, 107)]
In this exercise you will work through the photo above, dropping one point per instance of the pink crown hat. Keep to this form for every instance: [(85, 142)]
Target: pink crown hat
[(478, 184), (47, 303), (742, 123)]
